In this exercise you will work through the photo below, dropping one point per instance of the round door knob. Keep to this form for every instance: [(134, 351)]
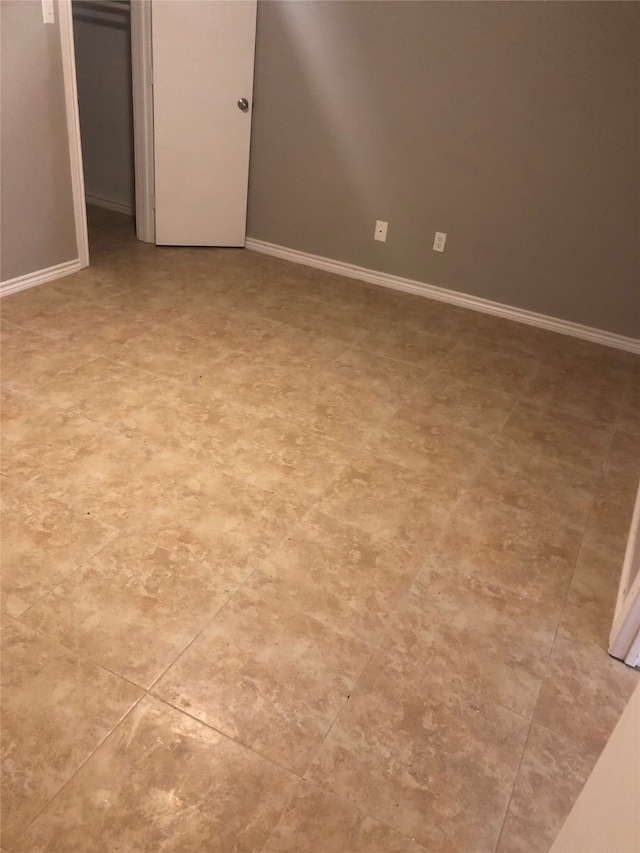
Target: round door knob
[(243, 104)]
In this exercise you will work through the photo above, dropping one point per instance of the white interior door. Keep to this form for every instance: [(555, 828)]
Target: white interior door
[(203, 55), (624, 640)]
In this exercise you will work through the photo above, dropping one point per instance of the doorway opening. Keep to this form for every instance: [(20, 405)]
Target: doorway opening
[(111, 70), (102, 48)]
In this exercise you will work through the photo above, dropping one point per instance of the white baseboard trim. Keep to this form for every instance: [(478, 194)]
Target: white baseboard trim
[(442, 294), (32, 279), (108, 204)]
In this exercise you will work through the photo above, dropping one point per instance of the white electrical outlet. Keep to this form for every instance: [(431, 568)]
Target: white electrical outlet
[(381, 231), (48, 14), (439, 241)]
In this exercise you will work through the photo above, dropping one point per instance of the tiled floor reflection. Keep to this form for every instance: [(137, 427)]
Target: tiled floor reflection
[(293, 564)]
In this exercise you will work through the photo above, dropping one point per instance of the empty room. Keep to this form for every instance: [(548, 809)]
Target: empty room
[(320, 426)]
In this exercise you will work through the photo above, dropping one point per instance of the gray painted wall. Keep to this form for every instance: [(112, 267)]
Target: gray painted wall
[(103, 69), (37, 223), (513, 127)]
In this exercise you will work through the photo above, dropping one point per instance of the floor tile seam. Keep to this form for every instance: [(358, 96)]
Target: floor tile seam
[(515, 782), (79, 768), (341, 708), (520, 398), (460, 484), (585, 747), (117, 535), (77, 653), (352, 806), (69, 350), (354, 305), (469, 694), (117, 362), (463, 492), (69, 410), (418, 364), (259, 311), (559, 405), (493, 587), (238, 587), (552, 645), (190, 642), (156, 697), (286, 807), (465, 344)]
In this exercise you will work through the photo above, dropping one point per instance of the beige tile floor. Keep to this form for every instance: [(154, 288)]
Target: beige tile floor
[(292, 563)]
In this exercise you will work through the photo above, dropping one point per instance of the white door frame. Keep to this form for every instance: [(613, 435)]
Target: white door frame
[(65, 21), (624, 639), (141, 83), (142, 88)]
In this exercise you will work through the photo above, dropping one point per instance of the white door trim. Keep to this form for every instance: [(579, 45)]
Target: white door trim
[(624, 639), (73, 127), (142, 90)]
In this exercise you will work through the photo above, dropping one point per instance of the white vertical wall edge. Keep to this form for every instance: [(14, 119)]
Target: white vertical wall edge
[(624, 639), (141, 83), (453, 297), (73, 127), (32, 279)]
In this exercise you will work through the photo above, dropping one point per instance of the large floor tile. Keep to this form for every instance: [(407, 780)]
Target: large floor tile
[(510, 548), (36, 435), (394, 342), (132, 608), (316, 822), (490, 367), (475, 635), (102, 390), (163, 781), (462, 404), (587, 397), (166, 352), (343, 322), (385, 499), (56, 710), (338, 574), (188, 421), (554, 768), (227, 525), (557, 435), (503, 335), (117, 479), (584, 692), (610, 517), (425, 315), (418, 441), (340, 405), (624, 455), (588, 610), (396, 382), (28, 308), (29, 358), (423, 757), (537, 484), (586, 360), (268, 676), (43, 541), (287, 458), (628, 421)]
